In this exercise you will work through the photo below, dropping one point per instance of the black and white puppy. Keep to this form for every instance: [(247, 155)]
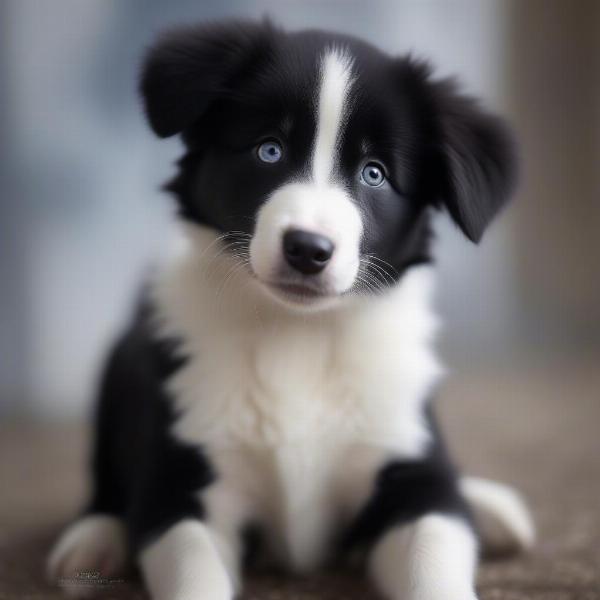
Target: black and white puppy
[(276, 379)]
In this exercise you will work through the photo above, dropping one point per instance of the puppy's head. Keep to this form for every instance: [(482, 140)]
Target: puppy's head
[(320, 155)]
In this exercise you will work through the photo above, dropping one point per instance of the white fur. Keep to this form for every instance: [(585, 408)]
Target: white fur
[(296, 413), (501, 515), (184, 564), (433, 558), (317, 205), (95, 543), (336, 82)]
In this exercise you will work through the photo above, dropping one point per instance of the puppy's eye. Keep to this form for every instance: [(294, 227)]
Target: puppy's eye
[(372, 174), (270, 151)]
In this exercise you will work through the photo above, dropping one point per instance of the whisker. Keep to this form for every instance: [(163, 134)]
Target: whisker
[(375, 283), (381, 271), (385, 264)]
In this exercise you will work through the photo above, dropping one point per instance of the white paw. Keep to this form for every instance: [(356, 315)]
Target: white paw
[(94, 546), (184, 564), (435, 592), (502, 518)]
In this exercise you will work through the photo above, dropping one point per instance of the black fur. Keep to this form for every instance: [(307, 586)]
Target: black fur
[(405, 490), (228, 87), (140, 472)]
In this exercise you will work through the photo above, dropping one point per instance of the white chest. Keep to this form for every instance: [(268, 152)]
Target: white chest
[(298, 412)]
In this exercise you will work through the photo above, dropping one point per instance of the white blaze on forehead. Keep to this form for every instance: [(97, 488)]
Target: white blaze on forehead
[(336, 81)]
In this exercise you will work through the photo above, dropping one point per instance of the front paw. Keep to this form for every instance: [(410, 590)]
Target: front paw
[(434, 592), (184, 564), (95, 544)]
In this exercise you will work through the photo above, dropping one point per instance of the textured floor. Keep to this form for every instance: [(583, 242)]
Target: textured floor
[(536, 428)]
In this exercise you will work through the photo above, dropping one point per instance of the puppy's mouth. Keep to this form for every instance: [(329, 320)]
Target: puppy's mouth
[(304, 293)]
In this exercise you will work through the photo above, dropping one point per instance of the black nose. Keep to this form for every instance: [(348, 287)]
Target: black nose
[(307, 252)]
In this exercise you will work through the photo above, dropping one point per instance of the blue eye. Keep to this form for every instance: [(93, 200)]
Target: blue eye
[(372, 174), (270, 151)]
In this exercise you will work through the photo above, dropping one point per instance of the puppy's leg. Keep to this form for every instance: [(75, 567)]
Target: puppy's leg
[(503, 520), (188, 562), (432, 558), (95, 543)]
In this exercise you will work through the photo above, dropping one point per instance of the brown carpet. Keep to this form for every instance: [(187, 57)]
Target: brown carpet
[(536, 428)]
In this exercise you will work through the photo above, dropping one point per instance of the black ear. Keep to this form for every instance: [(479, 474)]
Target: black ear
[(476, 158), (190, 67)]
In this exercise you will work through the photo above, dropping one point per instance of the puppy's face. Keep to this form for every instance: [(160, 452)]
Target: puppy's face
[(320, 156)]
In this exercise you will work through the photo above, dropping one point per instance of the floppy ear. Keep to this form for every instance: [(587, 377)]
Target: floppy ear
[(190, 67), (477, 160)]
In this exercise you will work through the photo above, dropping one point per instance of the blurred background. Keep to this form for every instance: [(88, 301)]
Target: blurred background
[(81, 214)]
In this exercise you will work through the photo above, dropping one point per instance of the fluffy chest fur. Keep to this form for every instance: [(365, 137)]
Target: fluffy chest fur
[(296, 411)]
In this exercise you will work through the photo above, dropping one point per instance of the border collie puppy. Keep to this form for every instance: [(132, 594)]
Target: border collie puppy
[(275, 383)]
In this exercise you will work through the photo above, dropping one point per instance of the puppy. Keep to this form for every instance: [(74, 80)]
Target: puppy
[(275, 383)]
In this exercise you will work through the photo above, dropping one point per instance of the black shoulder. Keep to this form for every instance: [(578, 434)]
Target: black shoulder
[(141, 348), (141, 471)]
